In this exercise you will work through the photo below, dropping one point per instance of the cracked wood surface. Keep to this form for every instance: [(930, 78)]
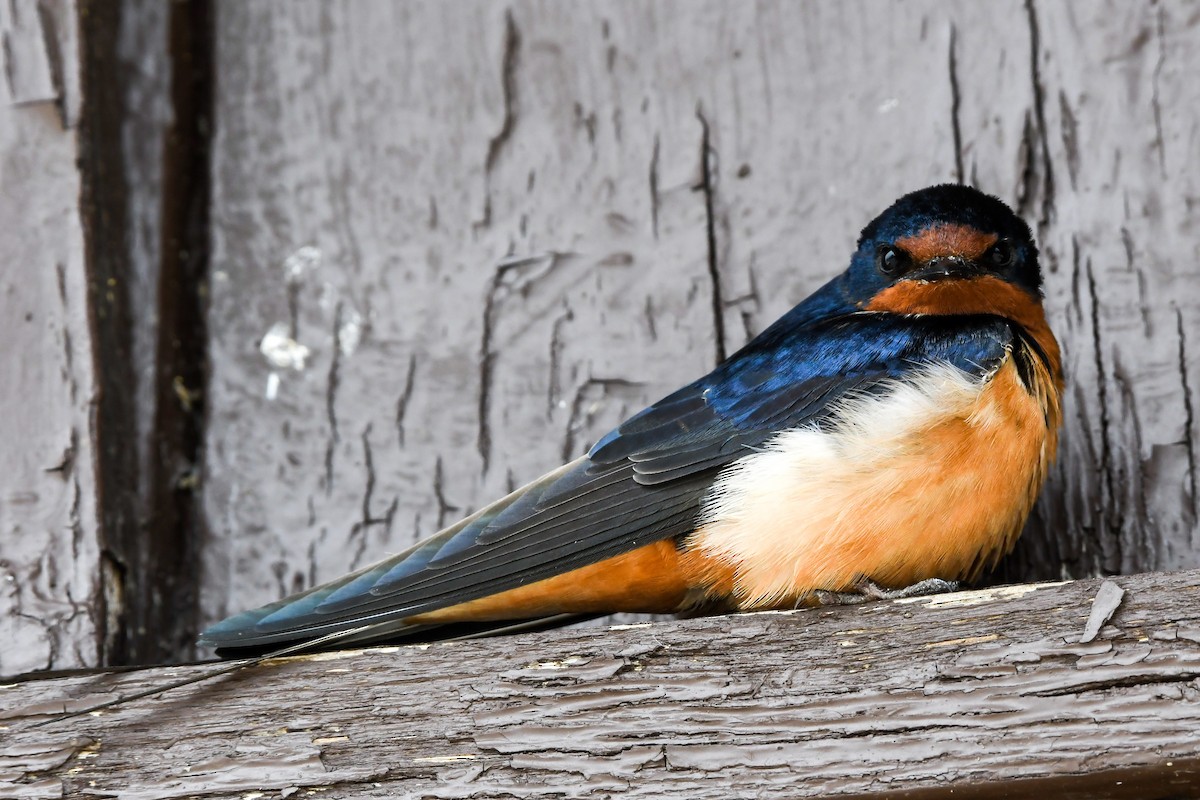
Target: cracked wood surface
[(528, 221), (480, 235), (1073, 690), (50, 606)]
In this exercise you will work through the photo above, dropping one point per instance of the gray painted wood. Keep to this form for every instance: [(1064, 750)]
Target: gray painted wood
[(1119, 194), (493, 231), (984, 694), (493, 276), (486, 230), (50, 605)]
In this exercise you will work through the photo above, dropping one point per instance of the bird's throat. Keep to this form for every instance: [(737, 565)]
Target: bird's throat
[(980, 295)]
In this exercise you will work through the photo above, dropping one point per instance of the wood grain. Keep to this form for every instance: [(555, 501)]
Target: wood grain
[(1121, 249), (525, 222), (479, 235), (989, 693), (50, 576)]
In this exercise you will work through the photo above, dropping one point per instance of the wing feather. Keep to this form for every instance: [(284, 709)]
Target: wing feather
[(643, 482)]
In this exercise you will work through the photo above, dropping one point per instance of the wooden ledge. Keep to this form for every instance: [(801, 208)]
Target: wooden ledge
[(987, 693)]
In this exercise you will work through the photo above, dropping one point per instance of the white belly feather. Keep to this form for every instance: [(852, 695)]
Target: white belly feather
[(927, 479)]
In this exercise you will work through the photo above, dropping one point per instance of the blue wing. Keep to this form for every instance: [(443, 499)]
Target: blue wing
[(642, 482)]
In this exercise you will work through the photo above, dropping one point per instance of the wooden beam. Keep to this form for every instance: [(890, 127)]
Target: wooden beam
[(991, 691)]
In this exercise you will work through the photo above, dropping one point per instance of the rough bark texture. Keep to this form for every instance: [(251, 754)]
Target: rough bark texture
[(1074, 690), (51, 609)]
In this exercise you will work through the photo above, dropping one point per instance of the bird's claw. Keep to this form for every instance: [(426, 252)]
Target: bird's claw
[(869, 590)]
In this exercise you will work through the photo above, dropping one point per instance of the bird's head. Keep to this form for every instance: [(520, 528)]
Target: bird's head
[(946, 249)]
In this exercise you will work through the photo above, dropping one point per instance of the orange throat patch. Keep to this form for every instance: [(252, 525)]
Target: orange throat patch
[(934, 480), (983, 295)]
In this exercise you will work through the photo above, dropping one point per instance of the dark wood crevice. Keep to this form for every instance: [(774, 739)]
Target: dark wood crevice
[(149, 525), (175, 525), (103, 205)]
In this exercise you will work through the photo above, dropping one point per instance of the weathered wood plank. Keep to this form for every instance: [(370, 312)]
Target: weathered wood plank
[(1116, 196), (526, 223), (990, 692), (509, 214), (50, 605), (446, 243)]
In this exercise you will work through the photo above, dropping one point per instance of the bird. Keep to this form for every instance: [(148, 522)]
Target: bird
[(889, 434)]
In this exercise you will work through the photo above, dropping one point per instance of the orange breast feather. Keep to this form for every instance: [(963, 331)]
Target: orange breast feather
[(934, 480), (646, 580)]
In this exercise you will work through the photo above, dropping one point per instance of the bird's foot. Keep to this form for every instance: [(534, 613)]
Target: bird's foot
[(869, 590), (919, 589), (824, 597)]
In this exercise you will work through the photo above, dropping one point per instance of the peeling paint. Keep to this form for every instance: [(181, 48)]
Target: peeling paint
[(281, 350), (979, 596), (567, 663), (350, 333), (1104, 605)]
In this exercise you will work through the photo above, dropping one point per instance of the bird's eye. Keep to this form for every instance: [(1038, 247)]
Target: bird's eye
[(890, 260), (1001, 254)]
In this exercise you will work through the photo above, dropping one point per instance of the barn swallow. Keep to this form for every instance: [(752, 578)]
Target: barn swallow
[(892, 430)]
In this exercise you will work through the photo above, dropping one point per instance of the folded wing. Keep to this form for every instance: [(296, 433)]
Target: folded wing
[(641, 483)]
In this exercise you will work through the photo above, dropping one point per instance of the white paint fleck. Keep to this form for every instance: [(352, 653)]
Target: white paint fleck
[(977, 597), (272, 385), (328, 655), (888, 106), (330, 740), (306, 259), (350, 334), (281, 350), (566, 663)]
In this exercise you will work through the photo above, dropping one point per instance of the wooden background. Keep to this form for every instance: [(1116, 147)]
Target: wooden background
[(287, 285)]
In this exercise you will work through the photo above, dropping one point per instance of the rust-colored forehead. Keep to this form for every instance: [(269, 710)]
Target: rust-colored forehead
[(947, 239)]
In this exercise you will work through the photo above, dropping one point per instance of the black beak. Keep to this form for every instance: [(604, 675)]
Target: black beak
[(945, 268)]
